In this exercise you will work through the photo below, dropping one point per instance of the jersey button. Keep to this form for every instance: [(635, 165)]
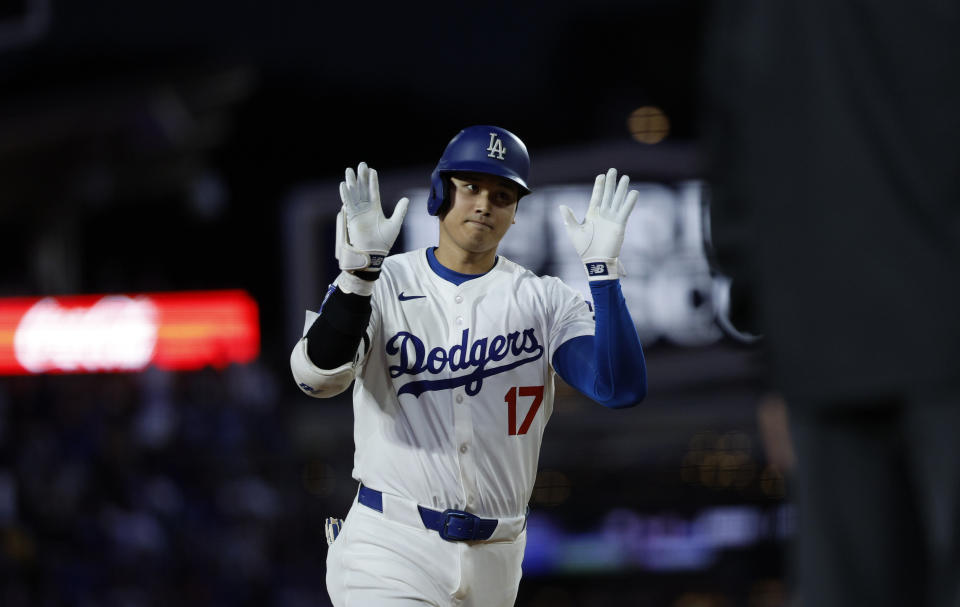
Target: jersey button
[(458, 299), (459, 320), (463, 448), (459, 398)]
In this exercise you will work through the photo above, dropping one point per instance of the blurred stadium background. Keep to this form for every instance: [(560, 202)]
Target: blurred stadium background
[(182, 158)]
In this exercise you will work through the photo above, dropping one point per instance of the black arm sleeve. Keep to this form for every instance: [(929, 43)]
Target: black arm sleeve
[(334, 336)]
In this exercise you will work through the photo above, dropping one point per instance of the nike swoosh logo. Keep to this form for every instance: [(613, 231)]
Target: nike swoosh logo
[(403, 297)]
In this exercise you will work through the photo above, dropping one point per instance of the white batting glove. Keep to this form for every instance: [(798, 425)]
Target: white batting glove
[(599, 238), (364, 234)]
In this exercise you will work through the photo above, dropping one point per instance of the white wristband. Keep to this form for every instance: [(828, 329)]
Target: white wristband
[(350, 283), (603, 268)]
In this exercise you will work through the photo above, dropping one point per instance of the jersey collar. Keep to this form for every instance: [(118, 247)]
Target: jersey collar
[(457, 278)]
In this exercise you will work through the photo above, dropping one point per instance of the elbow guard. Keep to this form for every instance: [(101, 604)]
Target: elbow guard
[(317, 382)]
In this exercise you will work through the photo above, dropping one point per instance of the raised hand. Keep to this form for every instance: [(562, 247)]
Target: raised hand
[(364, 234), (599, 237)]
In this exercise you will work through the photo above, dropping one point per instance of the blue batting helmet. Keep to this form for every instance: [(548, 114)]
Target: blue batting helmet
[(480, 149)]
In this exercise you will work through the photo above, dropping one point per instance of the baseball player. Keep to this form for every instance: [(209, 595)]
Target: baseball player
[(452, 351)]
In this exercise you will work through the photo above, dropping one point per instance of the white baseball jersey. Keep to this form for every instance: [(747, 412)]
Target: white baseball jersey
[(454, 393)]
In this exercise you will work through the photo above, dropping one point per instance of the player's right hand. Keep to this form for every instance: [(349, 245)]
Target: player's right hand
[(364, 234)]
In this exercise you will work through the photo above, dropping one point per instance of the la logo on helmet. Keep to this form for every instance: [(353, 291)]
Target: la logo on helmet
[(496, 149)]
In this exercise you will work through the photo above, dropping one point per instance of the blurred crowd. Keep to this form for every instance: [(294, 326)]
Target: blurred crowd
[(154, 489)]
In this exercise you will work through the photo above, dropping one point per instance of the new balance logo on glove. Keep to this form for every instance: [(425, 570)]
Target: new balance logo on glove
[(597, 268)]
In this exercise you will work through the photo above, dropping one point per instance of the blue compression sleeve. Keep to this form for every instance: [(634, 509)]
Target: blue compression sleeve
[(608, 366)]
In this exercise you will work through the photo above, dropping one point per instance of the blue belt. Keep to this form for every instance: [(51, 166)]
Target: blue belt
[(453, 525)]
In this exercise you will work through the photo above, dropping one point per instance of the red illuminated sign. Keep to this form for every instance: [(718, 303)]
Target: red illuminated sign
[(99, 333)]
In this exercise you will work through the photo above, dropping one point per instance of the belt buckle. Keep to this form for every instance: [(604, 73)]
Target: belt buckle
[(464, 526)]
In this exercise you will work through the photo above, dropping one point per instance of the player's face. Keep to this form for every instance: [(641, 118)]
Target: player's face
[(482, 207)]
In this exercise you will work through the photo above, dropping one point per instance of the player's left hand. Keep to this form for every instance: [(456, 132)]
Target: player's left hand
[(599, 237), (364, 234)]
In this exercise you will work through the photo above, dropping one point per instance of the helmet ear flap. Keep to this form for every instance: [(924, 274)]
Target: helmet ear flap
[(438, 193)]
